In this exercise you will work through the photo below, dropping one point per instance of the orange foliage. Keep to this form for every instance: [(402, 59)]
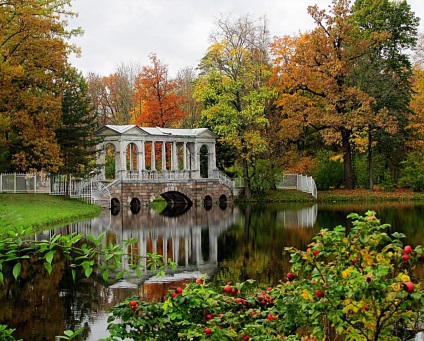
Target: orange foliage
[(157, 93), (301, 166), (33, 56), (312, 73)]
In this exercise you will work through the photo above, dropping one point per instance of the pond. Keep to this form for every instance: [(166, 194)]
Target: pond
[(226, 243)]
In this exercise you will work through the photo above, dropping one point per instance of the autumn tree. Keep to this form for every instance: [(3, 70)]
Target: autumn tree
[(233, 88), (186, 79), (313, 71), (76, 132), (33, 55), (385, 72), (113, 96), (416, 120), (412, 171), (156, 94)]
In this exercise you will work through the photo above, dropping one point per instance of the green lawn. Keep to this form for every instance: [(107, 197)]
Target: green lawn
[(42, 210)]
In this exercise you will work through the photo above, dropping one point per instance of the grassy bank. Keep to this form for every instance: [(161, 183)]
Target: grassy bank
[(42, 210), (341, 195)]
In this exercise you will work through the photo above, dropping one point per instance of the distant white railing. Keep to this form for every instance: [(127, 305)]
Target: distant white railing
[(299, 182)]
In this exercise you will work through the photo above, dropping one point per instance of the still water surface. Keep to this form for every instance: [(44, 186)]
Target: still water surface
[(231, 243)]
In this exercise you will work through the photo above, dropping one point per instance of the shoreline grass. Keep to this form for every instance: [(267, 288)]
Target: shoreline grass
[(42, 210)]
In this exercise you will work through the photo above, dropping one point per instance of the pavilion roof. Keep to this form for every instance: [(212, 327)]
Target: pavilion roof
[(157, 131)]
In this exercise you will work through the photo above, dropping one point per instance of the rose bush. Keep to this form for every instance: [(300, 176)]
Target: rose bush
[(352, 284)]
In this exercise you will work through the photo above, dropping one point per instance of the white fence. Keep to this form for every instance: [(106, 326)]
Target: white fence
[(299, 182), (24, 183), (92, 191), (41, 182)]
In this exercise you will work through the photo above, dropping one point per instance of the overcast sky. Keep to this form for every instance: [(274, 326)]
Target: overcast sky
[(124, 31)]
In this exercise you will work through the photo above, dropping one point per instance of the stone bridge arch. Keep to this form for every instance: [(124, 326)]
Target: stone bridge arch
[(173, 194)]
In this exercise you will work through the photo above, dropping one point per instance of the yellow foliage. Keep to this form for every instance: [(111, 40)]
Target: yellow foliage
[(396, 286), (306, 295), (347, 272)]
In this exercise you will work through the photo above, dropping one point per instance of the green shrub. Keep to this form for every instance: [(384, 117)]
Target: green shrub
[(6, 333), (412, 174), (388, 184), (360, 165), (266, 174), (327, 172)]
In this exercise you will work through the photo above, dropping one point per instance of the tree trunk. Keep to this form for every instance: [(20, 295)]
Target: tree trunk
[(369, 159), (246, 178), (68, 184), (347, 158)]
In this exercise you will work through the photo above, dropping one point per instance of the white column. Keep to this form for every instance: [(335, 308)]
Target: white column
[(153, 161), (185, 156), (131, 157), (196, 161), (117, 162), (123, 157), (174, 157), (101, 160), (212, 156), (141, 162), (163, 155)]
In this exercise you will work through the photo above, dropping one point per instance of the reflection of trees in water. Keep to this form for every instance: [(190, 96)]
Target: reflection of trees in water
[(401, 216), (31, 304), (40, 306), (254, 248)]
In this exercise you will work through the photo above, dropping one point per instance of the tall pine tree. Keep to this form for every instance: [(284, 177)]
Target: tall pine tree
[(76, 133)]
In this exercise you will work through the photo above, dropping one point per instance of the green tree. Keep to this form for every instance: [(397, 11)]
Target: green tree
[(385, 73), (33, 55), (75, 134), (233, 88)]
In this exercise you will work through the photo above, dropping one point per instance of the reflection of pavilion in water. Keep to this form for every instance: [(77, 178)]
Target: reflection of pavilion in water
[(190, 240), (304, 217)]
